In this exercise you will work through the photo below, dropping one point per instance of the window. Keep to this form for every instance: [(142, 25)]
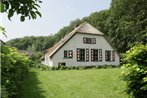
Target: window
[(61, 64), (108, 55), (113, 56), (80, 54), (100, 54), (65, 54), (89, 40), (94, 54), (68, 54)]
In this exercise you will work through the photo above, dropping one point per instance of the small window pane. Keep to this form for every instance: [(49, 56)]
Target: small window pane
[(80, 54), (65, 54)]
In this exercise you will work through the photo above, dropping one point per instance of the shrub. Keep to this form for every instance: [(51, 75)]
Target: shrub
[(63, 67), (76, 67), (14, 66), (73, 67), (135, 73), (43, 67)]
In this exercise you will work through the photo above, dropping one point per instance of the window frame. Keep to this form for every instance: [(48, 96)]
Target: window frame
[(108, 56), (87, 40), (65, 54), (94, 55), (79, 55), (68, 54)]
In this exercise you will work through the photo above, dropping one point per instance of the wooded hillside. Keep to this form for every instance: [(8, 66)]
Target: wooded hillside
[(125, 25)]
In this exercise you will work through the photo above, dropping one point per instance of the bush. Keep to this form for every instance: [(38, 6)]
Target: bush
[(63, 67), (98, 67), (44, 67), (135, 73), (14, 66)]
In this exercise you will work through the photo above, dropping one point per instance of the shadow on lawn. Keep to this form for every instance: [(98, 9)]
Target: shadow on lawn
[(30, 87)]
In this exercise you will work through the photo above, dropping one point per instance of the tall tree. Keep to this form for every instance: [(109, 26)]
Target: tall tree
[(25, 8), (128, 23)]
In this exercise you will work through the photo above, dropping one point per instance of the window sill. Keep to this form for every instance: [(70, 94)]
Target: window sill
[(67, 58), (82, 61), (96, 61), (110, 61)]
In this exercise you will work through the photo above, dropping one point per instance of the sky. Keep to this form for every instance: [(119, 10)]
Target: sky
[(55, 15)]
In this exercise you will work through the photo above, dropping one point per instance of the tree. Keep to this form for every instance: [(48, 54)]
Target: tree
[(24, 8), (67, 29), (14, 65), (135, 73), (127, 23), (99, 20)]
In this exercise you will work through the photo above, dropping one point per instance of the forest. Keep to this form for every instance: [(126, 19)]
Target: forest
[(123, 25)]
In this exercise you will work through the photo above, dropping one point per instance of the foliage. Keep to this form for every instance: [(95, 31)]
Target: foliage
[(15, 65), (67, 29), (13, 69), (2, 30), (32, 43), (25, 8), (44, 67), (135, 73), (99, 20), (127, 24)]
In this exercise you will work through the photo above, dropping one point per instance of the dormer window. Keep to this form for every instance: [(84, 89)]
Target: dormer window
[(89, 40)]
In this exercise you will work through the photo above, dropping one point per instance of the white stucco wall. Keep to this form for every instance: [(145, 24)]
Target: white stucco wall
[(77, 42), (47, 60)]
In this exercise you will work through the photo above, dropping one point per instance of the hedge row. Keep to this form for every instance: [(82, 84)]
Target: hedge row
[(14, 66), (43, 67)]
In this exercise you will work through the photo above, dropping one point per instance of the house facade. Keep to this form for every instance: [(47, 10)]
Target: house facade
[(84, 46)]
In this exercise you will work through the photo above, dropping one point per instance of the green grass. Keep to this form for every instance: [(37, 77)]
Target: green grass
[(100, 83)]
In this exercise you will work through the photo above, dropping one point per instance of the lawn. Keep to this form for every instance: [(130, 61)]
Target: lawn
[(92, 83)]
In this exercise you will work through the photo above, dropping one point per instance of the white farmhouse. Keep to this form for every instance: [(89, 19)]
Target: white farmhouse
[(84, 46)]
